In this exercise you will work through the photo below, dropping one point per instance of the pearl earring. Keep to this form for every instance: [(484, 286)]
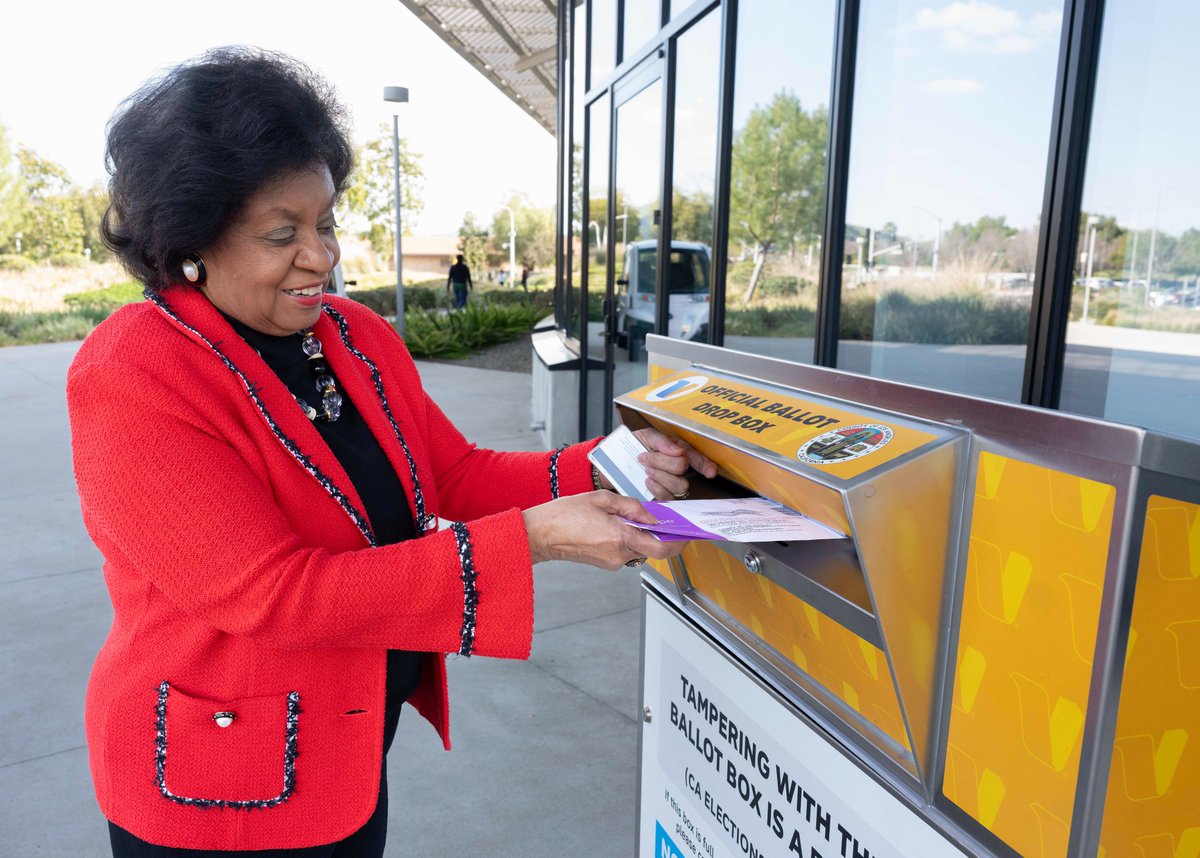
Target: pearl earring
[(193, 269)]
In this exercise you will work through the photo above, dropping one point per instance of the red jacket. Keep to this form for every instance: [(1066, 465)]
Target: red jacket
[(244, 579)]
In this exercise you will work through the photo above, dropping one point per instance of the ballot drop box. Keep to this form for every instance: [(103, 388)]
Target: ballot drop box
[(999, 656)]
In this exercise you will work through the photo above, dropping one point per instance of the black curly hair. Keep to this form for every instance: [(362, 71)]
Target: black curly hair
[(189, 147)]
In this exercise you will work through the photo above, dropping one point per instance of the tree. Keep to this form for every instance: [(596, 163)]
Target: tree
[(473, 243), (534, 228), (52, 224), (778, 172), (692, 217), (1022, 251), (13, 199), (91, 205), (1187, 258), (628, 228), (372, 191), (977, 246)]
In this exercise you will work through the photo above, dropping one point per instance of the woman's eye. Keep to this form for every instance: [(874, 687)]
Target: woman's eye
[(328, 228), (282, 236)]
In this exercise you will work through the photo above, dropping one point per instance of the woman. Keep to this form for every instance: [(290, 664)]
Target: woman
[(264, 475)]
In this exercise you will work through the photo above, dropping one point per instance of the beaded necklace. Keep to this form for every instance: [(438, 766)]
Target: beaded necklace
[(331, 400)]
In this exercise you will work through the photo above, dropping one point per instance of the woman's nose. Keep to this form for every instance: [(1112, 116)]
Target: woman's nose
[(315, 255)]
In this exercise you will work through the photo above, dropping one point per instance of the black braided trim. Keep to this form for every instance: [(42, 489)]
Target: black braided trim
[(360, 520), (554, 471), (289, 759), (470, 597), (418, 495)]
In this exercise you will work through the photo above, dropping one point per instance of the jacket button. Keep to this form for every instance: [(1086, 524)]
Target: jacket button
[(223, 719)]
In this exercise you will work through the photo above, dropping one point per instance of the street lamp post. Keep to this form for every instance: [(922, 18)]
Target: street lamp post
[(1153, 236), (1091, 252), (512, 246), (397, 95), (937, 239)]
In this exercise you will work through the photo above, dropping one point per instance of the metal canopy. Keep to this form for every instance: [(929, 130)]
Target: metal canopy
[(511, 42)]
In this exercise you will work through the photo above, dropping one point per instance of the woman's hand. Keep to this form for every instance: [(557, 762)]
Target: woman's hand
[(588, 529), (666, 460)]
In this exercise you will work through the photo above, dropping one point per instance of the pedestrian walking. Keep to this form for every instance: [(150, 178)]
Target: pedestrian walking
[(460, 279)]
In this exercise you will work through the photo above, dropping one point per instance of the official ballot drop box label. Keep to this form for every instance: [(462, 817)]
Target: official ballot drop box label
[(728, 770), (818, 433)]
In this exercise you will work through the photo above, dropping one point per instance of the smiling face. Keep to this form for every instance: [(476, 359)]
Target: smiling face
[(269, 268)]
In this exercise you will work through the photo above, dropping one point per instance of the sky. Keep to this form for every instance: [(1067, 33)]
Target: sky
[(953, 103), (66, 67)]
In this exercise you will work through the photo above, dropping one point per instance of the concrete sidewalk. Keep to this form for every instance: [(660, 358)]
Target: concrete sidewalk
[(544, 759)]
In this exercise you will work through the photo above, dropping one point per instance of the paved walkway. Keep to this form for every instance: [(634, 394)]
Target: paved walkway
[(544, 760)]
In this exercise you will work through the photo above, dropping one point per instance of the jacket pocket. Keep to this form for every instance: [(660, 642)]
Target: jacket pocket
[(226, 753)]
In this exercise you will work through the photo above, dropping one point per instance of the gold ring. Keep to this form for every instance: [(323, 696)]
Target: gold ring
[(683, 496), (637, 561)]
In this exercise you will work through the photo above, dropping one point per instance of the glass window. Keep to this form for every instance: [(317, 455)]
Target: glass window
[(777, 175), (636, 219), (603, 56), (1133, 338), (694, 165), (952, 110), (596, 214), (573, 159), (642, 20)]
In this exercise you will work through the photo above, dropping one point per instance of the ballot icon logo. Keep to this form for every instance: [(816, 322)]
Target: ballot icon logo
[(677, 388), (845, 443)]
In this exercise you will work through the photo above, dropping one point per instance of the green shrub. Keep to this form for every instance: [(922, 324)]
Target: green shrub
[(15, 262), (542, 298), (383, 299), (956, 318), (856, 321), (779, 287), (432, 334), (68, 260), (30, 328), (774, 321), (596, 306), (107, 300)]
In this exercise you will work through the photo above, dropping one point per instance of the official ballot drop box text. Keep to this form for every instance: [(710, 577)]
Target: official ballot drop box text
[(1001, 657)]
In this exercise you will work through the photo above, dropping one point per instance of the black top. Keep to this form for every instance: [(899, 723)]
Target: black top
[(373, 477), (460, 273)]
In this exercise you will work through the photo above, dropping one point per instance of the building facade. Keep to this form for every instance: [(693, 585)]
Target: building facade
[(992, 198)]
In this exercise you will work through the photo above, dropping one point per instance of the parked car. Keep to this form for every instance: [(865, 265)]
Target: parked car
[(688, 292)]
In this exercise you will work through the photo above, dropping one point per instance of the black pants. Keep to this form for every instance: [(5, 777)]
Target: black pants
[(367, 842)]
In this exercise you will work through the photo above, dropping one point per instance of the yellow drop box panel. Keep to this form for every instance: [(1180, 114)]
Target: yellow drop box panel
[(1008, 638), (1153, 793), (1034, 579)]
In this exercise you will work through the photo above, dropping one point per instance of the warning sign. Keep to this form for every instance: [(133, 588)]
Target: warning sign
[(718, 781)]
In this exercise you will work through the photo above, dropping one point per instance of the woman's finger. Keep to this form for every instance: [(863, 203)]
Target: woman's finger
[(643, 544), (664, 462), (666, 486), (629, 508), (654, 440), (699, 462)]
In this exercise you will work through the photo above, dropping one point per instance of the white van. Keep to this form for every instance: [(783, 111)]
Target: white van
[(688, 292)]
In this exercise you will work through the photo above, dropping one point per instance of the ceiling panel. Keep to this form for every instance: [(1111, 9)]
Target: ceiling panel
[(513, 43)]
